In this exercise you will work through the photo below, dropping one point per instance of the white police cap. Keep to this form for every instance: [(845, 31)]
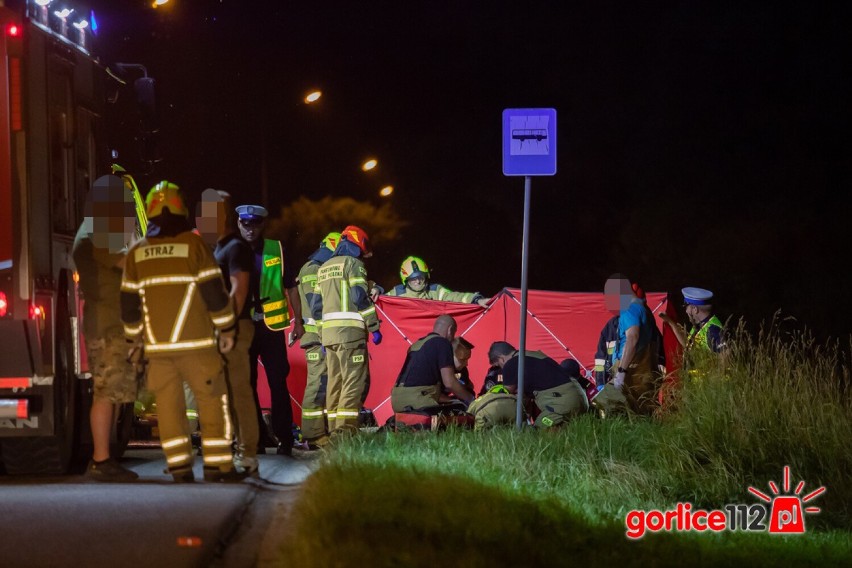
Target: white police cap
[(252, 212), (697, 296)]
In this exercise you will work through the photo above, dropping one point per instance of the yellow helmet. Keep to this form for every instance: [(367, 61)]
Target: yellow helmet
[(165, 195), (412, 267), (330, 241)]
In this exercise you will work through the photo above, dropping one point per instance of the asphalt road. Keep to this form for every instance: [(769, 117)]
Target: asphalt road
[(71, 521)]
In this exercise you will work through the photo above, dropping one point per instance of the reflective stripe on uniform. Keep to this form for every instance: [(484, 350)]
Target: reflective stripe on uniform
[(342, 316), (180, 346), (179, 458), (171, 443), (184, 309), (312, 413), (346, 413)]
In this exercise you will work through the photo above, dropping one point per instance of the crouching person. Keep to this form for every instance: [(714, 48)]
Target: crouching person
[(428, 367), (494, 407), (557, 396)]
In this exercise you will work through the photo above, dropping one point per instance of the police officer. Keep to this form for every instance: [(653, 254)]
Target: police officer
[(347, 316), (314, 421), (273, 293), (428, 368), (557, 396), (706, 331), (173, 298), (414, 274)]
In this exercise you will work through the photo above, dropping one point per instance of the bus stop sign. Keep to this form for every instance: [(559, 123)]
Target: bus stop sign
[(529, 142)]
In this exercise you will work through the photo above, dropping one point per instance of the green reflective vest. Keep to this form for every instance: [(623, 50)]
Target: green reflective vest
[(276, 312), (307, 281)]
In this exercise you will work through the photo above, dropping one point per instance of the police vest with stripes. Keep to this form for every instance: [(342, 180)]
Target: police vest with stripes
[(276, 312), (699, 337)]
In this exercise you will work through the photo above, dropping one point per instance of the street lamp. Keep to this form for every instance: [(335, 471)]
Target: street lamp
[(386, 191), (369, 164), (313, 96), (158, 3)]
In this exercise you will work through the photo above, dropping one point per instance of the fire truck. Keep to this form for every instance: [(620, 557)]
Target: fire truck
[(56, 97)]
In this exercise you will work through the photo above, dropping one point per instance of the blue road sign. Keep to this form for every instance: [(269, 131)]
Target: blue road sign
[(529, 142)]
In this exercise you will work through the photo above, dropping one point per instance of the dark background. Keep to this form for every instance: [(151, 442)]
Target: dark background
[(699, 144)]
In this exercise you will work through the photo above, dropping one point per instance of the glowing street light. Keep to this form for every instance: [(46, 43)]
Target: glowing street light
[(313, 97), (159, 3), (369, 164), (386, 191)]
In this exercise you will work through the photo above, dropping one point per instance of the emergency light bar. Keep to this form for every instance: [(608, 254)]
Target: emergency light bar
[(53, 17), (14, 408)]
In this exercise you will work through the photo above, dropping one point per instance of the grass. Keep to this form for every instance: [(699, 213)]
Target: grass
[(510, 498)]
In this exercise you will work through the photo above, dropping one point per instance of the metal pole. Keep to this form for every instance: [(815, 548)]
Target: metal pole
[(519, 418)]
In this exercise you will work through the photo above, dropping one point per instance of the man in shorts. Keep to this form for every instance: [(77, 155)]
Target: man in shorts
[(99, 251)]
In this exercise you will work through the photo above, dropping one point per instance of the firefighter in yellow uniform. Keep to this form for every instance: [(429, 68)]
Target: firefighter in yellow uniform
[(414, 273), (173, 298), (314, 425), (347, 315)]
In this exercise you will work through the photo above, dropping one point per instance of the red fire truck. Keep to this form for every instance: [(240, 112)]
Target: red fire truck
[(55, 97)]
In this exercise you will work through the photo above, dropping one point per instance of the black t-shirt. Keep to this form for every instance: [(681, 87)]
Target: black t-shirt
[(540, 372), (234, 255), (493, 377), (424, 361)]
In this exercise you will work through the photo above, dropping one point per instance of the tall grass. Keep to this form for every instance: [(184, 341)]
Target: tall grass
[(775, 400)]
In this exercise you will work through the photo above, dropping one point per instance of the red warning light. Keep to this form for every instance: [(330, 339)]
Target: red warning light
[(13, 30)]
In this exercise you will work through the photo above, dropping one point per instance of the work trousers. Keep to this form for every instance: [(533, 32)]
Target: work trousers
[(314, 420), (492, 409), (271, 347), (202, 371), (238, 376), (559, 404), (348, 382), (414, 398)]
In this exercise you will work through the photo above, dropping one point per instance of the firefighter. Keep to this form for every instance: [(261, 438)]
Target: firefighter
[(98, 254), (215, 220), (272, 293), (314, 421), (414, 274), (494, 407), (174, 299), (428, 369), (557, 396), (343, 305)]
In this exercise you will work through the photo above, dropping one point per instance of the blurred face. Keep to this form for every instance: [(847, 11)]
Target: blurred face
[(252, 229), (211, 221), (417, 283), (111, 218), (617, 294)]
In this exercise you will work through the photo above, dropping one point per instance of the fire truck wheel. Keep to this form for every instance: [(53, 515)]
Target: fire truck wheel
[(52, 455)]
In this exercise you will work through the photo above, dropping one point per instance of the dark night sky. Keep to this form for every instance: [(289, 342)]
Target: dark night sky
[(699, 144)]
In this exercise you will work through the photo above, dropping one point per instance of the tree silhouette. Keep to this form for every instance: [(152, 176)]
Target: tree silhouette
[(303, 224)]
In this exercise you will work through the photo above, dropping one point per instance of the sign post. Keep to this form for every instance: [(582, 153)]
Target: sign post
[(529, 149)]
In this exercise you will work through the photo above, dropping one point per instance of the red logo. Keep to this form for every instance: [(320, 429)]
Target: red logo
[(788, 511)]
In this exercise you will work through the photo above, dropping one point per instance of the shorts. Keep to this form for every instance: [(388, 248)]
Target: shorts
[(113, 376)]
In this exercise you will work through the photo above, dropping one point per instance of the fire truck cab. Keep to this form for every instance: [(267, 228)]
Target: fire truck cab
[(54, 98)]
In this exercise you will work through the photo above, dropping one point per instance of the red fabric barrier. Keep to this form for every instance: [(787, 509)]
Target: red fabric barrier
[(561, 324)]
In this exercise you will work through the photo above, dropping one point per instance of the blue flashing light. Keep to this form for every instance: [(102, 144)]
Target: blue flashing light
[(93, 22)]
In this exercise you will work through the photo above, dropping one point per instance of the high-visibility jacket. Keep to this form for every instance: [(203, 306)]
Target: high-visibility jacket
[(699, 337), (276, 312), (307, 282), (606, 347), (173, 295), (345, 308), (436, 292)]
